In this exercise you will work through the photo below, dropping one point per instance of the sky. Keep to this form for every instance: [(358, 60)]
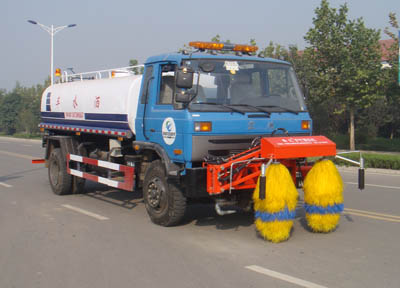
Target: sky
[(109, 33)]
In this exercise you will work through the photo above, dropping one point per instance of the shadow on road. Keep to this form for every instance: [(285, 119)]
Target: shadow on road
[(205, 215), (120, 198), (17, 175)]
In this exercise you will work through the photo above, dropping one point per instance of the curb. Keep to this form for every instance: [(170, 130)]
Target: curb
[(370, 170), (20, 139)]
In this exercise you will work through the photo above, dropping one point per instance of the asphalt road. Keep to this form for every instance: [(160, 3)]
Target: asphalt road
[(105, 238)]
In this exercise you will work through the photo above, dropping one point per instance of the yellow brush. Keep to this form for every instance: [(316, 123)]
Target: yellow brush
[(274, 214), (323, 196)]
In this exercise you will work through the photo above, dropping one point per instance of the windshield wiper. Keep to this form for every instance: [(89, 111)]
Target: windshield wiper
[(280, 107), (254, 107), (222, 105)]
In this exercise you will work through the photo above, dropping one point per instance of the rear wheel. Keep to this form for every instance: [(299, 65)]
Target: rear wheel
[(78, 185), (164, 200), (60, 180)]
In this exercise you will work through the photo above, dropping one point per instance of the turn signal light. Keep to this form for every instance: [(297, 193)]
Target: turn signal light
[(177, 151), (305, 125), (202, 126)]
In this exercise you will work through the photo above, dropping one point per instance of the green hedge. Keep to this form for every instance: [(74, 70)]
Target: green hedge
[(373, 160), (369, 144)]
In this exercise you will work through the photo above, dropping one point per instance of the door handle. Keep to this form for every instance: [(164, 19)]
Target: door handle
[(152, 130)]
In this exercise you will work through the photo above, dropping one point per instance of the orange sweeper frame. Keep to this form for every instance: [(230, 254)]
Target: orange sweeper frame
[(242, 170)]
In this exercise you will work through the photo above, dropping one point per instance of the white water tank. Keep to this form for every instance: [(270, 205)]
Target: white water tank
[(109, 104)]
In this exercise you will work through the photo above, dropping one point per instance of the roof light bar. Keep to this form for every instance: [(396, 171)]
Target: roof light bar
[(207, 45), (245, 48), (223, 46)]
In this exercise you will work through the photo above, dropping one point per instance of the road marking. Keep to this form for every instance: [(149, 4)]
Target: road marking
[(5, 185), (374, 185), (373, 215), (18, 155), (284, 277), (88, 213)]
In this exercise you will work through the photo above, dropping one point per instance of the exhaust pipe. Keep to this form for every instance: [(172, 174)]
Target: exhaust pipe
[(221, 212)]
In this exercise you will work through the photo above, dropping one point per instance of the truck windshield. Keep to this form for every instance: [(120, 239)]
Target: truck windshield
[(244, 85)]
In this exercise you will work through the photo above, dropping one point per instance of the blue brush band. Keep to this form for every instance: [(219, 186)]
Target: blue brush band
[(280, 216), (331, 209)]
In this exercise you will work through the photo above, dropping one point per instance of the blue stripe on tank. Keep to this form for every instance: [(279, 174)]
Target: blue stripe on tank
[(331, 209), (52, 114), (89, 116), (107, 117), (280, 216)]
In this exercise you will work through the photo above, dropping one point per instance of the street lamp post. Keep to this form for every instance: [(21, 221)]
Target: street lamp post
[(52, 31)]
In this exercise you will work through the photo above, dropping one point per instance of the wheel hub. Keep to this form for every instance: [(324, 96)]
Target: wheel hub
[(155, 193), (54, 172)]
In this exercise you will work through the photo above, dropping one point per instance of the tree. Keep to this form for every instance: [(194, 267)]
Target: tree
[(345, 56), (391, 86), (274, 51), (29, 110), (136, 70), (9, 108)]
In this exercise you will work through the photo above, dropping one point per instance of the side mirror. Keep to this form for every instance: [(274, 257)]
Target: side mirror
[(184, 78), (183, 97)]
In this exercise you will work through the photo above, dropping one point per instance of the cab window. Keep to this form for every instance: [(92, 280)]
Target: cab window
[(167, 85)]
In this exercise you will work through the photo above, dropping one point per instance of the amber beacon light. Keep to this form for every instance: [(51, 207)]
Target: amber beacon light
[(223, 46)]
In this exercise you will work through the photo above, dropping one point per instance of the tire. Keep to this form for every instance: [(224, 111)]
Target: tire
[(78, 185), (60, 180), (164, 200)]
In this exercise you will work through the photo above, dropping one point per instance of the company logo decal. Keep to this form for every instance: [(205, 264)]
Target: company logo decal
[(301, 141), (169, 126), (168, 131)]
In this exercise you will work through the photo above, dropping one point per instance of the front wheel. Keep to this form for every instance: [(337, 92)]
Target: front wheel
[(164, 200)]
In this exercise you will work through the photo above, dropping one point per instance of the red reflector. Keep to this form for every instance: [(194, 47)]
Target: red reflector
[(38, 161)]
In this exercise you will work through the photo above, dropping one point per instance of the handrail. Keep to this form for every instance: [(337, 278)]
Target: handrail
[(101, 74)]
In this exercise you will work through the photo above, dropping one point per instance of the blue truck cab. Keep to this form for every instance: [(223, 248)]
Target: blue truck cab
[(231, 101)]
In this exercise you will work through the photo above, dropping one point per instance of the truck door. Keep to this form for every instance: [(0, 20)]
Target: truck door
[(163, 123)]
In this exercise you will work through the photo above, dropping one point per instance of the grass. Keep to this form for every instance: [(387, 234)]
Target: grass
[(22, 135), (364, 143), (27, 136)]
